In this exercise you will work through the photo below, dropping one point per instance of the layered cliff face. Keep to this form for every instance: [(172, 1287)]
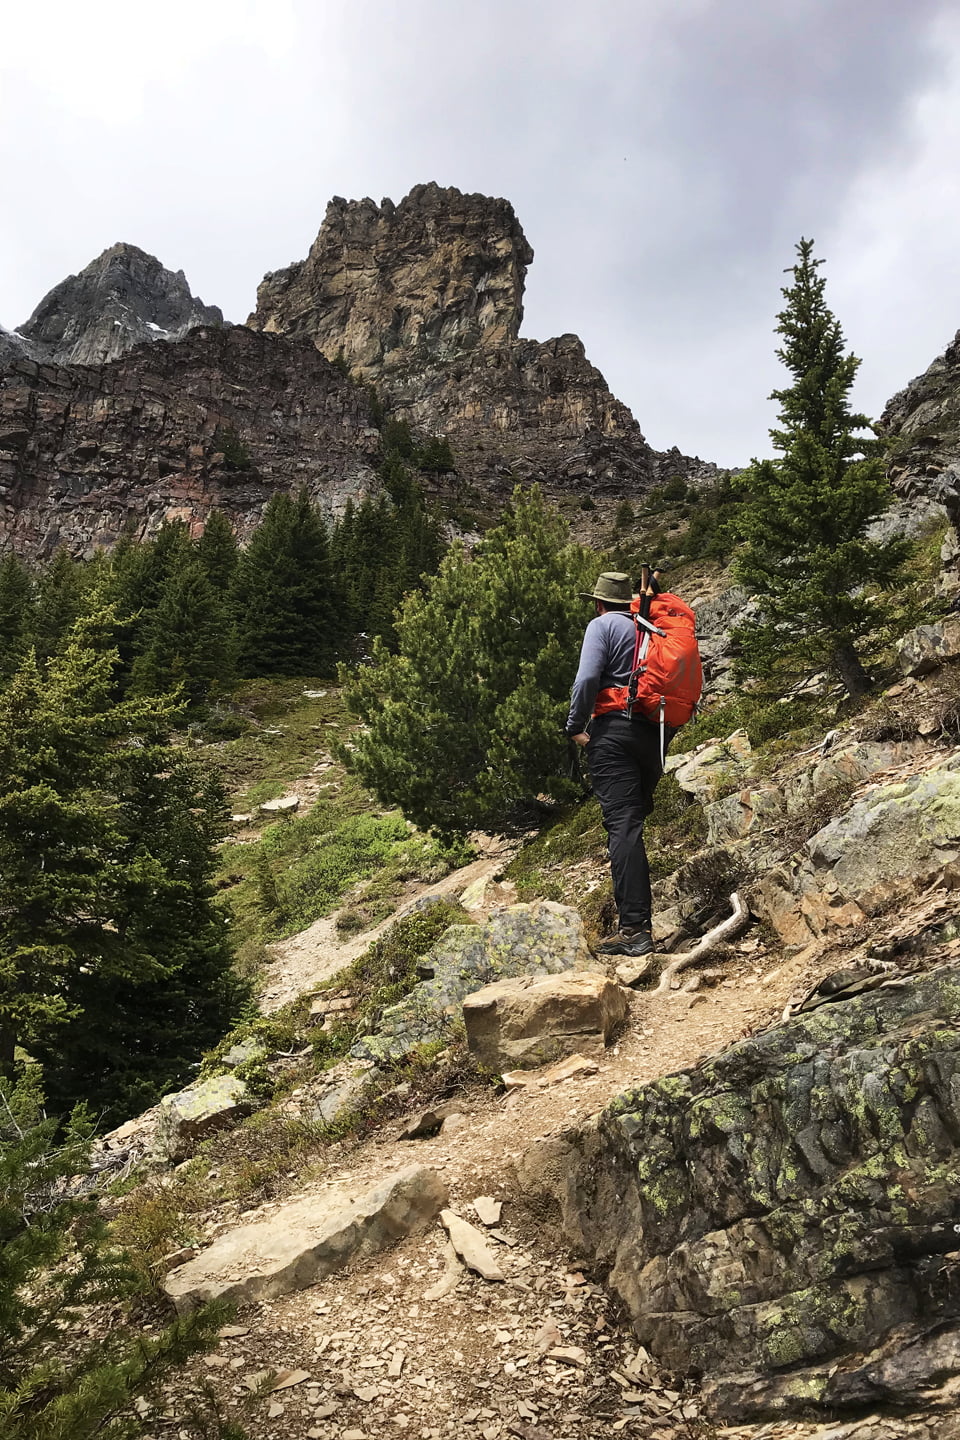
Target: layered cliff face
[(389, 286), (220, 420), (424, 300), (923, 422), (121, 299)]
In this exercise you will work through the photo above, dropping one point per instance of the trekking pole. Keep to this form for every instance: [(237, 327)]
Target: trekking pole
[(649, 586), (645, 591)]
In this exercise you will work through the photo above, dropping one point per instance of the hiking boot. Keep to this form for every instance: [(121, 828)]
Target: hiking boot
[(634, 943)]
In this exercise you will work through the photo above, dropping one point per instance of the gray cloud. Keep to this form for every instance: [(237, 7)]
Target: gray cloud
[(663, 159)]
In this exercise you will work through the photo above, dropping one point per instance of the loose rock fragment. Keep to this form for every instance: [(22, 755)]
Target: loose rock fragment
[(451, 1277), (568, 1354), (285, 1378), (471, 1245), (488, 1210)]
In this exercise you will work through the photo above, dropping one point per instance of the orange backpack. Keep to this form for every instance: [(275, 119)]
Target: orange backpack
[(666, 679)]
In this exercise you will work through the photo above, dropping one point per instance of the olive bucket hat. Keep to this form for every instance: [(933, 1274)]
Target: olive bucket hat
[(613, 587)]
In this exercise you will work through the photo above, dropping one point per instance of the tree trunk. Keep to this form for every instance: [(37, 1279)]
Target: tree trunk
[(853, 677)]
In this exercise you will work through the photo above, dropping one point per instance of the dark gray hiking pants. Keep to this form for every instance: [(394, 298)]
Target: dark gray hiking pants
[(624, 760)]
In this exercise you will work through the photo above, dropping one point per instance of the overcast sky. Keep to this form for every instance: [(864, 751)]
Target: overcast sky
[(663, 156)]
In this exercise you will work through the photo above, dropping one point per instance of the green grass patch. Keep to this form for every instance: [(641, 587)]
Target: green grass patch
[(542, 869), (301, 868), (283, 735), (303, 865), (791, 723)]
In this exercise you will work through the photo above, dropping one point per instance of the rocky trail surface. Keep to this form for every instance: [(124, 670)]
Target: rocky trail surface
[(410, 1341), (449, 1273)]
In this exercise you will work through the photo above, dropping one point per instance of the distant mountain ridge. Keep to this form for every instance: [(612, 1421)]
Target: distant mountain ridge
[(420, 301), (119, 300)]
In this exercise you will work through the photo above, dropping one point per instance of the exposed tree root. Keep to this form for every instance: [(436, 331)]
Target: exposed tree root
[(728, 929)]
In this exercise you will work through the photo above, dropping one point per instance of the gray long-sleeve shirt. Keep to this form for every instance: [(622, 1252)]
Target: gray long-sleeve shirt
[(606, 658)]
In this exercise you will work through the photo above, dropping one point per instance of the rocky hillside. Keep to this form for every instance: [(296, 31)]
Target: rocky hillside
[(421, 301), (425, 300), (221, 419), (121, 299), (922, 422), (463, 1178)]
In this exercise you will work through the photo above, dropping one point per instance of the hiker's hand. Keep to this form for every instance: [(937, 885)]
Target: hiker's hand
[(582, 739)]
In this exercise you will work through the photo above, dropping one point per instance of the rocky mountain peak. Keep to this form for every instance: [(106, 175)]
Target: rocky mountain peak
[(436, 277), (122, 298)]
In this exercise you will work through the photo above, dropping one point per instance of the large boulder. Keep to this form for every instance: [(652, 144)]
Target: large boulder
[(785, 1216), (927, 647), (531, 1021), (883, 849), (186, 1118), (538, 939), (306, 1239)]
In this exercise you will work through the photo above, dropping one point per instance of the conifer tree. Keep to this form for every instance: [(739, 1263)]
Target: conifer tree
[(16, 613), (60, 1379), (188, 645), (59, 599), (287, 616), (218, 551), (807, 558), (115, 971), (464, 722)]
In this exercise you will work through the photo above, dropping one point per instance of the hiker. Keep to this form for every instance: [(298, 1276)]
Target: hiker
[(625, 755)]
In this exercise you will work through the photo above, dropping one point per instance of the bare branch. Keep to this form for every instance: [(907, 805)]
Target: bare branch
[(728, 929)]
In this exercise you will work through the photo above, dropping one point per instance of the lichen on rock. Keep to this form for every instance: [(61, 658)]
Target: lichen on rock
[(790, 1201)]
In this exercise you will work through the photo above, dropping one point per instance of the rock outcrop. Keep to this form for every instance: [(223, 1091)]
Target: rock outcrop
[(884, 849), (222, 419), (121, 299), (539, 939), (395, 288), (923, 423), (424, 299), (784, 1217)]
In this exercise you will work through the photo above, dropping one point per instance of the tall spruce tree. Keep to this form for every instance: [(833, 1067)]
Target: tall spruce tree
[(807, 558), (218, 551), (188, 643), (463, 724), (288, 621), (134, 584), (115, 969), (59, 599), (380, 549)]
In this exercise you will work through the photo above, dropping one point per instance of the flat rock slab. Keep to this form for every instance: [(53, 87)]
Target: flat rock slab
[(470, 1244), (532, 1020), (310, 1238), (286, 804)]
